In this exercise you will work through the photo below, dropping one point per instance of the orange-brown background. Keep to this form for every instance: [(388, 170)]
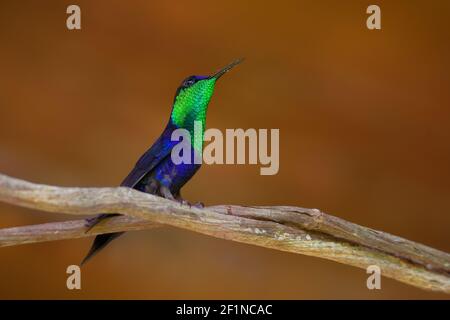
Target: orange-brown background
[(363, 115)]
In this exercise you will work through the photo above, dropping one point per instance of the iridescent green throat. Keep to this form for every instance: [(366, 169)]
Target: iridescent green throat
[(191, 105)]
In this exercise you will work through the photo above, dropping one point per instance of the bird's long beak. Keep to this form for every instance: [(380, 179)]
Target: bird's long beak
[(225, 69)]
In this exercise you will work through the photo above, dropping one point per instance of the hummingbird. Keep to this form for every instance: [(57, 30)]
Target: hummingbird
[(154, 172)]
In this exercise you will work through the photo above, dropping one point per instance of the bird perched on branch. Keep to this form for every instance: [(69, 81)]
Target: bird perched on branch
[(155, 172)]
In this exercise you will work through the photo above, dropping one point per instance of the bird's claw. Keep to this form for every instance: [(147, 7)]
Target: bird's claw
[(185, 203), (198, 205)]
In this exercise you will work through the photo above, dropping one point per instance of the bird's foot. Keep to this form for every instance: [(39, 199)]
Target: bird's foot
[(177, 197), (198, 205), (183, 202), (165, 192)]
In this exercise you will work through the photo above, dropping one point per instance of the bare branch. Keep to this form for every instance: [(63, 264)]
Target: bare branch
[(292, 229)]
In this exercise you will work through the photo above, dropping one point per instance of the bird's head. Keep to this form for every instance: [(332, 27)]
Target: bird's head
[(193, 96)]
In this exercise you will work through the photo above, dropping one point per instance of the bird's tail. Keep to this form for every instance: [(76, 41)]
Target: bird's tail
[(101, 240)]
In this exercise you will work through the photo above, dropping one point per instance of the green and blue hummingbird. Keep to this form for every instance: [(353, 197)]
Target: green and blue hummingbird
[(155, 172)]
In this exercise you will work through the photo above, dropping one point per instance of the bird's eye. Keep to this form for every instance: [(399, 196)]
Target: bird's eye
[(189, 82)]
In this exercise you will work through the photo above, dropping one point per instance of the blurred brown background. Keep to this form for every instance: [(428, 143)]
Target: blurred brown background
[(364, 127)]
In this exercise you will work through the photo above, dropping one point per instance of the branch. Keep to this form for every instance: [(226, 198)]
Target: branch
[(292, 229)]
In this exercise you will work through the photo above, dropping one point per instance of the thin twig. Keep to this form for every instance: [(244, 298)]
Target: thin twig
[(293, 229)]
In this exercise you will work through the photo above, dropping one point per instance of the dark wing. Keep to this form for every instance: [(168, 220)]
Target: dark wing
[(150, 159)]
